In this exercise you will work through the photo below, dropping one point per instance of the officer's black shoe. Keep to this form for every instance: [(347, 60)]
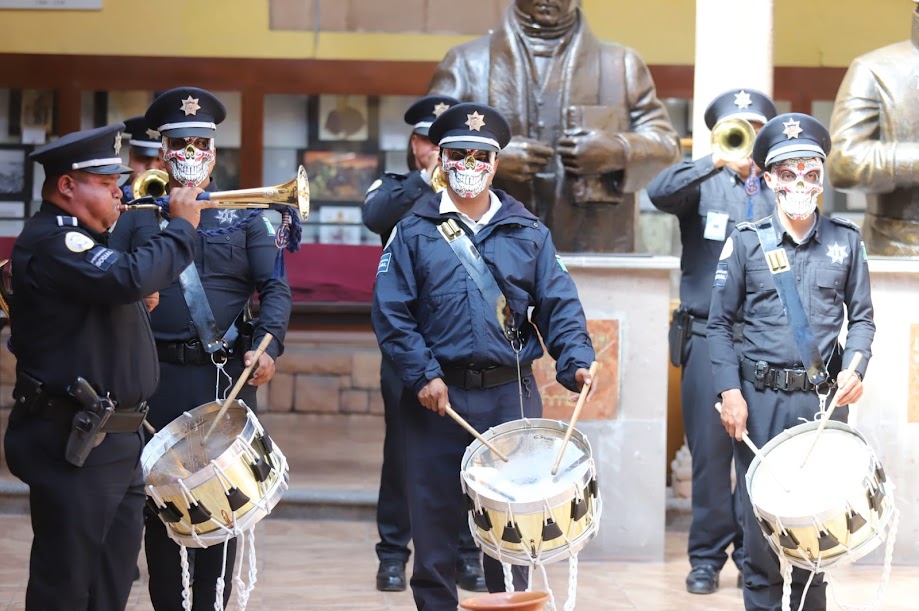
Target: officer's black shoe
[(470, 576), (391, 576), (702, 579)]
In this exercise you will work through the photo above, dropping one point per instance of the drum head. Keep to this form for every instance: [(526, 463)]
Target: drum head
[(532, 447)]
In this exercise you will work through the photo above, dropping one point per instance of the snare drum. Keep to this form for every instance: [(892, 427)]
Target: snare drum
[(208, 493), (518, 511), (836, 510)]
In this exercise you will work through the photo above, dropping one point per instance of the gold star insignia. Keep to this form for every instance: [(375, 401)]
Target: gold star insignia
[(118, 143), (475, 121), (190, 106), (439, 108), (153, 134), (792, 129), (742, 100)]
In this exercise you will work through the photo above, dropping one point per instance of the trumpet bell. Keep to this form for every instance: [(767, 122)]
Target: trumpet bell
[(151, 183), (732, 139), (294, 193)]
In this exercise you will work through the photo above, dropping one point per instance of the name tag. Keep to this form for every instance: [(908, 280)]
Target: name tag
[(716, 226)]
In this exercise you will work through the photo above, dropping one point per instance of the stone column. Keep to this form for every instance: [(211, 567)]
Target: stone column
[(733, 49)]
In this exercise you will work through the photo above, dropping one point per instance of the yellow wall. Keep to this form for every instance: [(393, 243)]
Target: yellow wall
[(661, 30)]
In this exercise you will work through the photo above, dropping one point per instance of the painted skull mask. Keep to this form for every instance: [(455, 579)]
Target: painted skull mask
[(190, 158), (468, 170), (797, 184)]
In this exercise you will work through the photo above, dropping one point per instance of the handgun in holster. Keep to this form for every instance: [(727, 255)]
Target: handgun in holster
[(87, 423), (680, 330)]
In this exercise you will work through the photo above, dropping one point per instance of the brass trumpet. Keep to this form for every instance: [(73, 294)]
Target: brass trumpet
[(294, 193), (438, 180), (732, 139)]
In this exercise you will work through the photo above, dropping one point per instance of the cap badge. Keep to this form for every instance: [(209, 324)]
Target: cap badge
[(118, 143), (190, 106), (792, 129), (439, 108), (742, 100), (475, 121), (153, 134)]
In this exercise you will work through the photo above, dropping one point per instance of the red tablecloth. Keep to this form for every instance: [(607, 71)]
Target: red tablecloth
[(317, 272)]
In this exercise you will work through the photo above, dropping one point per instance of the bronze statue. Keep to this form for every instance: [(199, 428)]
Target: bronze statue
[(588, 129), (875, 129)]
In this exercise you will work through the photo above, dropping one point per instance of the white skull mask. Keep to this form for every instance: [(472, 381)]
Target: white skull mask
[(797, 184), (468, 176), (189, 163)]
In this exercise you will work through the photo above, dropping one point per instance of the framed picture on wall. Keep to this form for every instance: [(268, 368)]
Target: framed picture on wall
[(15, 173), (340, 176), (343, 122), (340, 224)]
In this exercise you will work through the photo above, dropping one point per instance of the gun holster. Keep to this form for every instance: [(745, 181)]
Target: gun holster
[(680, 330), (86, 428)]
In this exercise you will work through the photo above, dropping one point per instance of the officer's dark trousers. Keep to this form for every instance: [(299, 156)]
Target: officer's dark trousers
[(434, 451), (715, 508), (184, 387), (393, 521), (771, 412), (86, 520)]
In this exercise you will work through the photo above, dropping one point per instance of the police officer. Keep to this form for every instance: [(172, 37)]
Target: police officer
[(77, 311), (235, 256), (389, 199), (453, 347), (793, 269), (709, 196), (143, 153)]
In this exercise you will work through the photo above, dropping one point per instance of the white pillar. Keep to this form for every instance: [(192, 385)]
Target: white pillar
[(733, 49)]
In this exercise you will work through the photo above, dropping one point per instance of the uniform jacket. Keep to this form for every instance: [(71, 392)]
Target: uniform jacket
[(609, 88), (231, 265), (392, 199), (78, 305), (428, 313), (692, 190), (831, 270)]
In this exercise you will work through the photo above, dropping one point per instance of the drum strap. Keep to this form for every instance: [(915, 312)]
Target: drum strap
[(478, 270), (784, 278)]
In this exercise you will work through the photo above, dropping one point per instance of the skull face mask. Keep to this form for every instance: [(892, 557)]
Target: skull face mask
[(797, 183), (190, 158), (467, 170)]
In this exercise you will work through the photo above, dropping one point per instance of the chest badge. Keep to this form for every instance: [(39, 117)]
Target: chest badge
[(226, 217), (778, 261), (837, 253)]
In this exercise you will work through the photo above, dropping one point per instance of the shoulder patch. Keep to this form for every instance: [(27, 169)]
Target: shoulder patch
[(268, 225), (721, 274), (102, 257), (561, 263), (845, 223), (728, 249), (383, 266), (76, 241), (375, 185)]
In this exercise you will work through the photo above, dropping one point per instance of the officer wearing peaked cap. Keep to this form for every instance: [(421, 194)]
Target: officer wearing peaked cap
[(77, 312), (389, 199), (204, 321), (451, 346), (816, 275), (709, 196), (143, 151)]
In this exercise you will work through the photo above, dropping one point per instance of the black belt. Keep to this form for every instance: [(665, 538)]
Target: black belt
[(484, 378), (37, 403), (698, 326), (763, 375), (191, 352)]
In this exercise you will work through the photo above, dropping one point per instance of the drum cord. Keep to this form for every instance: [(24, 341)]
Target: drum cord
[(186, 578), (221, 581), (243, 591)]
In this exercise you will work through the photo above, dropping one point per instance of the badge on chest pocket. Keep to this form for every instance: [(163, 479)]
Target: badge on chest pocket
[(716, 226)]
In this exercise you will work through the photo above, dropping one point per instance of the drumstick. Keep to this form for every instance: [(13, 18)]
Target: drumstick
[(759, 454), (856, 359), (462, 422), (149, 427), (239, 383), (574, 416)]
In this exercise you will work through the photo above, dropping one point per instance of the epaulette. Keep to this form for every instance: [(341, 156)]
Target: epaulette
[(66, 221), (839, 220), (746, 225)]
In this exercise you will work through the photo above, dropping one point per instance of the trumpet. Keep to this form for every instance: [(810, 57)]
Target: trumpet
[(732, 139), (294, 193), (438, 180)]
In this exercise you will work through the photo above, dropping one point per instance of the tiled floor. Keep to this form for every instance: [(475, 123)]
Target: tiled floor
[(320, 565)]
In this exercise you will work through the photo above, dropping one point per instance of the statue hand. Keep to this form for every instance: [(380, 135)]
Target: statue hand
[(524, 157), (591, 152)]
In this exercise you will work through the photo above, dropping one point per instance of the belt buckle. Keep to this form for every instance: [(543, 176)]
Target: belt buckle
[(474, 378)]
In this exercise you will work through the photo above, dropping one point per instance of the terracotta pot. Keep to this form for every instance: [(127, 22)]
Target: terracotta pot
[(502, 601)]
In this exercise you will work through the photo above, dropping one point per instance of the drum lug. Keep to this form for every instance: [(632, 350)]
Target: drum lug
[(854, 522), (260, 469), (875, 500), (511, 534), (826, 541), (551, 530), (168, 513), (879, 469), (578, 509), (198, 513), (593, 487), (236, 498), (481, 520), (766, 526), (788, 540)]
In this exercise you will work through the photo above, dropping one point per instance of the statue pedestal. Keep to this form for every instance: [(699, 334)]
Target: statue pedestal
[(629, 442), (888, 414)]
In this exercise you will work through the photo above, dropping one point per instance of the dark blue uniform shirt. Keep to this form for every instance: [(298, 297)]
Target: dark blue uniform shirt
[(392, 199), (694, 190), (78, 308), (831, 273), (429, 314)]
